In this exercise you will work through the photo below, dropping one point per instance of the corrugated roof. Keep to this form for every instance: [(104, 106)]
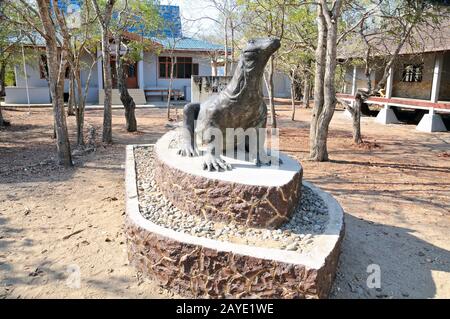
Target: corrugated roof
[(186, 43)]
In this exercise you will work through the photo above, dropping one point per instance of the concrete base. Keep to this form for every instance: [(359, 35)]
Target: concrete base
[(202, 267), (431, 123), (387, 116)]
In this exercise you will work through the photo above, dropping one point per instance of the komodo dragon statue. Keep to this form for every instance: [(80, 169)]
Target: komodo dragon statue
[(239, 105)]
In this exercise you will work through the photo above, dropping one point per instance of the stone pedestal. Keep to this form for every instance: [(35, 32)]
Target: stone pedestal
[(262, 196), (198, 266)]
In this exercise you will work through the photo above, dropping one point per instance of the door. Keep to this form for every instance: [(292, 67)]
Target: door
[(131, 75)]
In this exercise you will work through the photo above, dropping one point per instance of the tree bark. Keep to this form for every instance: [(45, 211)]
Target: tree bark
[(56, 70), (306, 92), (293, 98), (173, 61), (127, 101), (314, 143), (232, 45), (356, 116), (71, 102), (3, 122), (104, 21), (270, 91), (329, 89), (107, 108), (79, 109), (358, 105), (225, 68), (2, 79), (330, 19)]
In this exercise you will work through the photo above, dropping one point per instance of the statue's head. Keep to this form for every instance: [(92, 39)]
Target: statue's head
[(251, 66), (258, 52)]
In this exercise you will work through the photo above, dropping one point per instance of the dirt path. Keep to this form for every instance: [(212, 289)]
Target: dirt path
[(54, 221)]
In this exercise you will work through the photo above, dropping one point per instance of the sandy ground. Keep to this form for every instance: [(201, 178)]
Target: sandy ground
[(395, 193)]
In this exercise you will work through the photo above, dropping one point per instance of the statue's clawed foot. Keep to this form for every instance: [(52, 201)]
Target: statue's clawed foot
[(188, 150), (213, 163)]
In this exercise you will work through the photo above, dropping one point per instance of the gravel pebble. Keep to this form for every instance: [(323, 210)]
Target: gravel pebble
[(309, 218)]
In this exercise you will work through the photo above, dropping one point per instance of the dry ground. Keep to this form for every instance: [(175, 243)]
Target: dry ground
[(395, 192)]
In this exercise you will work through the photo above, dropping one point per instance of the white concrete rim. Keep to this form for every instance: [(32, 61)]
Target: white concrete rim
[(243, 172), (314, 259)]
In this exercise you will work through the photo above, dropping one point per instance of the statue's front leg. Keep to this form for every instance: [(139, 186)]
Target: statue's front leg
[(190, 114), (212, 160)]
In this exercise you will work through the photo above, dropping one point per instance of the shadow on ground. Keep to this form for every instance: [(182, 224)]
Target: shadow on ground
[(367, 243)]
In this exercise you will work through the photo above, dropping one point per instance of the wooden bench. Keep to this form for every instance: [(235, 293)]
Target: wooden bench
[(164, 93)]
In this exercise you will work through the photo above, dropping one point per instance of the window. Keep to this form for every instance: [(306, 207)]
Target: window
[(412, 73), (43, 67), (164, 67), (195, 69), (183, 69), (67, 74)]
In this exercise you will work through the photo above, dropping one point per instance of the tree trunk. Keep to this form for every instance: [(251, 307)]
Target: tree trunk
[(3, 122), (356, 116), (225, 68), (270, 91), (79, 109), (329, 90), (316, 145), (293, 99), (319, 150), (57, 94), (56, 70), (360, 105), (104, 18), (71, 102), (172, 68), (62, 136), (359, 100), (306, 92), (127, 101), (2, 79), (107, 108), (232, 45)]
